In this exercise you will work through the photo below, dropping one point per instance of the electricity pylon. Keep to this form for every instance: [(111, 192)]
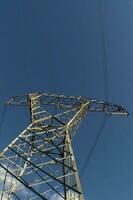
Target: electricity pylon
[(40, 163)]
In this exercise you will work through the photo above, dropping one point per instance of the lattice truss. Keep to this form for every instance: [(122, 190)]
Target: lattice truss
[(40, 163)]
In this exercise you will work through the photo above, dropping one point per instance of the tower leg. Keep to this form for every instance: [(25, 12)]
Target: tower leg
[(68, 141)]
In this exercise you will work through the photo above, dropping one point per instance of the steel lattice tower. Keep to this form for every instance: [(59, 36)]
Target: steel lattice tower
[(40, 163)]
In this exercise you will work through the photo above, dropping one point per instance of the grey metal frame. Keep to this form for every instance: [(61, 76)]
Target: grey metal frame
[(40, 162)]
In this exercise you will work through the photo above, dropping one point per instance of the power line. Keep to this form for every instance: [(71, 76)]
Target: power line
[(93, 147), (25, 56), (105, 88), (2, 117)]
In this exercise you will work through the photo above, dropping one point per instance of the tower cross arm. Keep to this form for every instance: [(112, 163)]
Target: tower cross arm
[(62, 101), (108, 108)]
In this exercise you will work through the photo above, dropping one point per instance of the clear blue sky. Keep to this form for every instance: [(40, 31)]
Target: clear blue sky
[(56, 46)]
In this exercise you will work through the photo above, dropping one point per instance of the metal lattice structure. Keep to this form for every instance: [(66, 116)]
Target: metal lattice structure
[(40, 163)]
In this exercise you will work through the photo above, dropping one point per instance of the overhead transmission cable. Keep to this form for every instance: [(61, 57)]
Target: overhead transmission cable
[(100, 131), (25, 55), (2, 116)]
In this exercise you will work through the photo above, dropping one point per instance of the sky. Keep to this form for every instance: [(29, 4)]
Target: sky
[(62, 47)]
